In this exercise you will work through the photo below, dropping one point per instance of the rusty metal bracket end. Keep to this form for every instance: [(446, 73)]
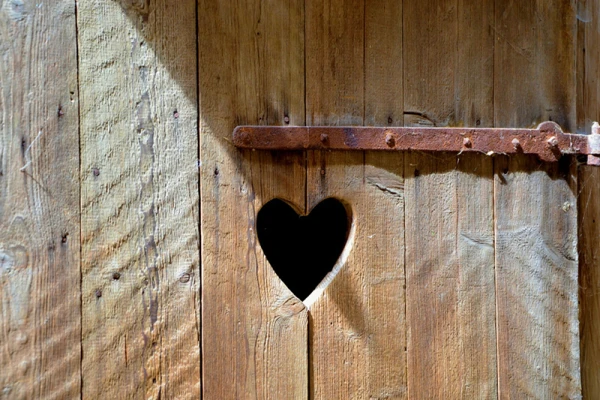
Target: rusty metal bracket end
[(547, 141)]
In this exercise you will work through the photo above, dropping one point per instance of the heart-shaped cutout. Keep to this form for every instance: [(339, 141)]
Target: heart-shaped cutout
[(303, 249)]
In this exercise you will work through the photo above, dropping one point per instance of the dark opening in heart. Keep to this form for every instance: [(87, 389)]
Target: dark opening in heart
[(302, 249)]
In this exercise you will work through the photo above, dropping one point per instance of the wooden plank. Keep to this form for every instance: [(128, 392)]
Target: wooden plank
[(588, 209), (430, 36), (40, 322), (139, 200), (588, 64), (251, 72), (536, 279), (448, 63), (384, 102), (588, 110), (357, 326), (534, 63), (536, 249), (448, 77), (450, 276), (335, 81), (39, 221)]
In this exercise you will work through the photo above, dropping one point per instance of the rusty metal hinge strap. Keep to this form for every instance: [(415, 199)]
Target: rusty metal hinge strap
[(547, 141)]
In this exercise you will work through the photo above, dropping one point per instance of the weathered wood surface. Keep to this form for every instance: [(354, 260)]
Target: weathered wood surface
[(357, 351), (251, 72), (460, 276), (535, 63), (139, 199), (588, 111), (450, 277), (536, 279), (589, 245), (450, 300), (40, 309), (535, 206), (588, 64)]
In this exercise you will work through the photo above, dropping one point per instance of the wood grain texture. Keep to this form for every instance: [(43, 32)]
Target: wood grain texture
[(40, 323), (535, 63), (588, 111), (335, 80), (430, 40), (589, 16), (588, 209), (384, 102), (139, 200), (357, 324), (588, 64), (536, 279), (448, 63), (450, 301), (251, 72), (536, 248)]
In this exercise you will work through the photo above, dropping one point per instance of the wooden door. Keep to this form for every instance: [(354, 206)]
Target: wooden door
[(459, 279), (130, 265)]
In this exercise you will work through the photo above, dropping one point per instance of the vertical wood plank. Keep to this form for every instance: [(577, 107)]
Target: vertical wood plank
[(588, 111), (589, 20), (335, 80), (536, 249), (450, 301), (588, 65), (40, 323), (139, 200), (536, 279), (430, 60), (450, 276), (384, 102), (357, 325), (335, 96), (534, 63), (251, 72), (589, 214), (381, 228)]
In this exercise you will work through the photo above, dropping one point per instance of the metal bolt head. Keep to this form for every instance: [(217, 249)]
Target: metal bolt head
[(553, 141), (467, 142), (389, 140), (324, 137), (516, 144)]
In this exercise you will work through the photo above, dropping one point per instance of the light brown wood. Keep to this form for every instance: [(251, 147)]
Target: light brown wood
[(534, 63), (450, 276), (588, 111), (460, 276), (535, 206), (536, 279), (139, 200), (384, 102), (450, 301), (357, 325), (588, 64), (40, 309), (430, 42), (251, 72), (589, 214)]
